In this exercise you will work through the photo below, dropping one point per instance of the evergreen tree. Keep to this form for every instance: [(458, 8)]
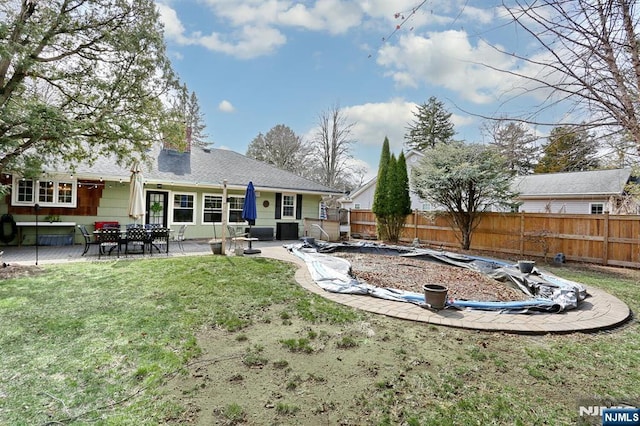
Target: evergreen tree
[(516, 144), (568, 150), (432, 125), (399, 201), (195, 123), (391, 201), (380, 197)]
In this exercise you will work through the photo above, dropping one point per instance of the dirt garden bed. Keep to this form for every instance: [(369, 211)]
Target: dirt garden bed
[(411, 274)]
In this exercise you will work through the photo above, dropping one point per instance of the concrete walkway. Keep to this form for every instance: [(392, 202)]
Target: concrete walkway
[(602, 311)]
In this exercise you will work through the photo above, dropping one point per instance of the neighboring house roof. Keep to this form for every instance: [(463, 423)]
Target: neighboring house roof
[(362, 188), (572, 184), (206, 167)]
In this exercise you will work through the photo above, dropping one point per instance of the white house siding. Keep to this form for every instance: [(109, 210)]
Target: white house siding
[(561, 206), (363, 198)]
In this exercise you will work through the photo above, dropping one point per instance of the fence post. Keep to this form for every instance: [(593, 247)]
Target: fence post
[(605, 247), (415, 223), (521, 234)]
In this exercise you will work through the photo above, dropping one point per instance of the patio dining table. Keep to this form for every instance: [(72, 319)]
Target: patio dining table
[(151, 237)]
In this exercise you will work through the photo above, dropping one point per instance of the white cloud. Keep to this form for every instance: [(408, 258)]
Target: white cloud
[(375, 121), (255, 27), (251, 28), (226, 106), (335, 16), (173, 28), (448, 59), (246, 43)]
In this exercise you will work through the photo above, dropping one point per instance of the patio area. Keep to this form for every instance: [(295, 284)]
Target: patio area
[(26, 255)]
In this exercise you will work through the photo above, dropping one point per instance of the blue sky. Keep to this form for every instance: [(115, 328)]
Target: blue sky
[(257, 63)]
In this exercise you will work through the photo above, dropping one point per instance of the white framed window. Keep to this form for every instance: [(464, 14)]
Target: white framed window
[(288, 205), (183, 207), (596, 208), (211, 208), (356, 206), (235, 209), (46, 192), (427, 206)]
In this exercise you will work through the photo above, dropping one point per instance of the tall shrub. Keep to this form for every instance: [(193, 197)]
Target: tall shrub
[(391, 202), (399, 201), (380, 197)]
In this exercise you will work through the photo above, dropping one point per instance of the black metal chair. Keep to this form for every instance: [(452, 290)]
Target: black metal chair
[(159, 238), (88, 239), (136, 240), (108, 238)]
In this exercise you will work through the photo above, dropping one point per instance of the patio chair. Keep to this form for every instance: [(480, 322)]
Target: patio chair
[(136, 239), (108, 239), (159, 238), (88, 239), (179, 238), (234, 236)]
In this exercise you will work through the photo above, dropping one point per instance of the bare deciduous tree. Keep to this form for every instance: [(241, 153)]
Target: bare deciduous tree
[(515, 143), (591, 58), (282, 148), (332, 146)]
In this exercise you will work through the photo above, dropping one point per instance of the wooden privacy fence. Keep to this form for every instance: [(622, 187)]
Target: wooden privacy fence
[(604, 239)]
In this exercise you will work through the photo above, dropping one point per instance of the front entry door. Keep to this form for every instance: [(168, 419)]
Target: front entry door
[(157, 211)]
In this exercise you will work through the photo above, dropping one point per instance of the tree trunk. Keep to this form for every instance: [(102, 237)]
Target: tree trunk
[(466, 239)]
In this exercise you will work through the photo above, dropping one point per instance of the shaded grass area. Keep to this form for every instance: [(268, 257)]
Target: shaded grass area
[(90, 341), (96, 342)]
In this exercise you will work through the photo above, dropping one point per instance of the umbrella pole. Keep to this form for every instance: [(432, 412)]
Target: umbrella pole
[(251, 250)]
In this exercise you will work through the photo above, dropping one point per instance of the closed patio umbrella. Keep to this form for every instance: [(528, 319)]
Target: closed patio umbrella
[(250, 213), (136, 193)]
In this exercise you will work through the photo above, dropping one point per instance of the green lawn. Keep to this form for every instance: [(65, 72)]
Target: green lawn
[(89, 341), (94, 343)]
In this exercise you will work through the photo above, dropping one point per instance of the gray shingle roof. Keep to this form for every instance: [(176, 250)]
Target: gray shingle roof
[(208, 167), (595, 182)]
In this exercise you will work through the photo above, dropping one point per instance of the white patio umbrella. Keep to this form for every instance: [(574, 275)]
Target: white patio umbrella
[(136, 193)]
